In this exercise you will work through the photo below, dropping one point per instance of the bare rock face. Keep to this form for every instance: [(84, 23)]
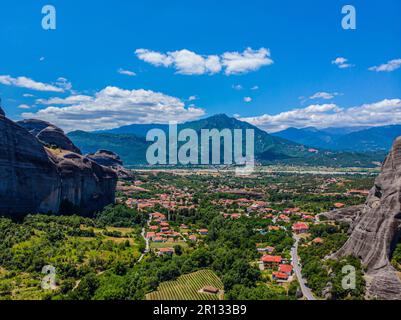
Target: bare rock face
[(49, 134), (35, 179), (2, 113), (346, 215), (29, 181), (85, 184), (376, 230), (56, 137), (112, 160)]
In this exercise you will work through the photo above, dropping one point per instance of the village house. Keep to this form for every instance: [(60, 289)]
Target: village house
[(283, 218), (317, 240), (150, 235), (271, 261), (285, 268), (165, 251), (210, 289), (300, 228), (158, 239), (308, 217), (267, 249), (280, 276), (339, 205), (203, 232)]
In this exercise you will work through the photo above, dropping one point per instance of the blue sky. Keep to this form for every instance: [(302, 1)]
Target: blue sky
[(261, 61)]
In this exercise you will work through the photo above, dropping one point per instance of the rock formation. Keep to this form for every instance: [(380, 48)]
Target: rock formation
[(376, 230), (29, 180), (85, 184), (112, 160), (49, 134), (36, 179), (346, 215)]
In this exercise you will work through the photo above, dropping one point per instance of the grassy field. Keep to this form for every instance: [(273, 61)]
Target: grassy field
[(187, 287)]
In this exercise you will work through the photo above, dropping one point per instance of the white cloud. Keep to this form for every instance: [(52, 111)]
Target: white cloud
[(249, 60), (255, 88), (64, 83), (323, 95), (23, 106), (190, 63), (192, 98), (114, 107), (237, 87), (126, 72), (342, 63), (154, 58), (247, 99), (65, 101), (24, 82), (385, 112), (27, 95), (42, 59), (387, 67)]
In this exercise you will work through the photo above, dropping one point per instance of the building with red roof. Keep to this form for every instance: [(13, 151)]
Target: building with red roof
[(300, 227), (280, 276), (285, 268), (164, 251), (271, 261)]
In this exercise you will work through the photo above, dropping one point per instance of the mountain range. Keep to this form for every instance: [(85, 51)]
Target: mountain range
[(130, 143), (359, 139)]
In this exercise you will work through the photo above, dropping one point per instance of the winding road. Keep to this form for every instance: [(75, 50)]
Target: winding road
[(143, 234), (298, 272)]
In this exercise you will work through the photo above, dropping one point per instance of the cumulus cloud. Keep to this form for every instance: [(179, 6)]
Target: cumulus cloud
[(255, 88), (126, 72), (342, 63), (190, 63), (114, 107), (247, 99), (24, 82), (323, 95), (385, 112), (249, 60), (23, 106), (387, 67)]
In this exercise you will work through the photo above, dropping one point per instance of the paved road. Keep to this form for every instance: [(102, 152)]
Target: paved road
[(143, 234), (298, 272)]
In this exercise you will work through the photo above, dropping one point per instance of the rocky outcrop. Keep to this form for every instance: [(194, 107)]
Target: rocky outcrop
[(49, 134), (54, 136), (36, 179), (85, 184), (376, 230), (29, 180), (2, 113), (112, 160), (345, 215)]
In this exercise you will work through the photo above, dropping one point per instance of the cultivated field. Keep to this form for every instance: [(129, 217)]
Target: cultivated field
[(188, 287)]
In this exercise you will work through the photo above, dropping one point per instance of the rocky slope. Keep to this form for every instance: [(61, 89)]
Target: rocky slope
[(111, 160), (49, 134), (29, 179), (35, 179), (377, 228)]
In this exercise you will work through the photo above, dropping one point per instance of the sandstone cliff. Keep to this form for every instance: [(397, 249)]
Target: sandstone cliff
[(36, 179), (376, 230)]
